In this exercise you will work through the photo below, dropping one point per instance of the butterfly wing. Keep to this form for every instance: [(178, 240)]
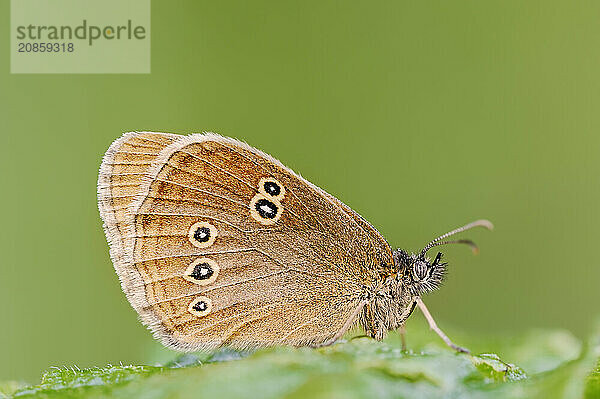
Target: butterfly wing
[(226, 246), (124, 165)]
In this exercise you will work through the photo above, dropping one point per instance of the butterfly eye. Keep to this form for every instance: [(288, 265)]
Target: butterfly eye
[(200, 306), (202, 271), (271, 188), (202, 234), (264, 210)]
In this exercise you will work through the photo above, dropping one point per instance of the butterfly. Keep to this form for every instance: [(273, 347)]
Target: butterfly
[(219, 244)]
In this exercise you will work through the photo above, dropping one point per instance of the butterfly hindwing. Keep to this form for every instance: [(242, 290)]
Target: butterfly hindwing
[(123, 168), (229, 247)]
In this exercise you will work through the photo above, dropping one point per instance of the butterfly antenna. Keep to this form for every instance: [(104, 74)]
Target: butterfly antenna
[(438, 241), (470, 243)]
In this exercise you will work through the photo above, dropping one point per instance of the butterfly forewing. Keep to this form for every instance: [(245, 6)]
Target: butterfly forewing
[(229, 247)]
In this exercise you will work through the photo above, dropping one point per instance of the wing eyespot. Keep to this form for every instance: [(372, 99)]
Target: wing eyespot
[(271, 188), (264, 210), (202, 271), (202, 234), (201, 306)]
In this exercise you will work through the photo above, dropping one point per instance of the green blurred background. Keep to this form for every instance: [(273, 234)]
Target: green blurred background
[(461, 110)]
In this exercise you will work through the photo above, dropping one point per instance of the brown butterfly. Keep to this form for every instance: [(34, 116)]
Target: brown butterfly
[(217, 243)]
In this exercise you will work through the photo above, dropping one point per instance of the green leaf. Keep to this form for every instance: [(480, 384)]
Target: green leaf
[(592, 385), (555, 367), (496, 369), (7, 388), (73, 381)]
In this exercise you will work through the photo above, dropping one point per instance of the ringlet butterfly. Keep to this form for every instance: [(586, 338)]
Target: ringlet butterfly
[(217, 243)]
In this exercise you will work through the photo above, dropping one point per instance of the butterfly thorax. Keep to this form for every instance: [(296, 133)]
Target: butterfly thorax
[(391, 304), (387, 310)]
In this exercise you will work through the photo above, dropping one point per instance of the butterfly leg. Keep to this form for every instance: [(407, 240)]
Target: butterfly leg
[(402, 331), (434, 327)]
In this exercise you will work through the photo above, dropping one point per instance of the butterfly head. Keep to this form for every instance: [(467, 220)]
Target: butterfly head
[(419, 273)]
